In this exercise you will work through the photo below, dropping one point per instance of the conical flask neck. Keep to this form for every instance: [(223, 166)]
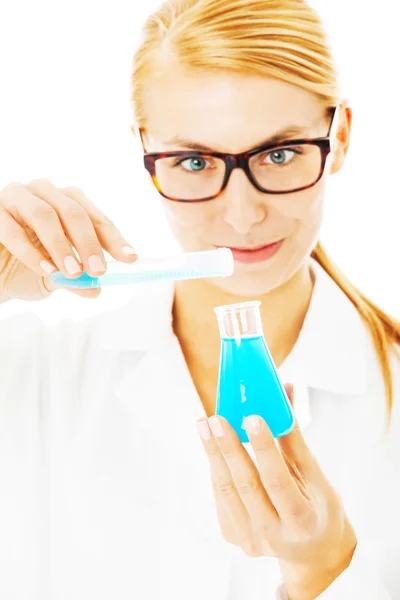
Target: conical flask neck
[(237, 321)]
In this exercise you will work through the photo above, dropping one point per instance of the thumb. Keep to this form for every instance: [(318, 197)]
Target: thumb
[(290, 392), (91, 293), (289, 389), (86, 293)]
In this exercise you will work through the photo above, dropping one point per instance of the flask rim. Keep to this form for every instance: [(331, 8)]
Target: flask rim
[(235, 307)]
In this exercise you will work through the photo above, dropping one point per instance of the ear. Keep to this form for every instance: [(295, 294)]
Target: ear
[(342, 138)]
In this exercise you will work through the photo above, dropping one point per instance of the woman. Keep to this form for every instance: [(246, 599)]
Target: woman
[(236, 106)]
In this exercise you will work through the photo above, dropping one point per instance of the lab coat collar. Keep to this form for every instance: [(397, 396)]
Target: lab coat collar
[(333, 341), (331, 350)]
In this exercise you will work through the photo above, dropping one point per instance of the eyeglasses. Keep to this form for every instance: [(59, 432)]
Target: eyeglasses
[(280, 168)]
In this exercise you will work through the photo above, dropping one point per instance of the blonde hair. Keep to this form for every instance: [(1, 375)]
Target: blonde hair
[(283, 39)]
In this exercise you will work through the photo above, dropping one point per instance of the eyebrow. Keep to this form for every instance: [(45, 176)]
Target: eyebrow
[(287, 133)]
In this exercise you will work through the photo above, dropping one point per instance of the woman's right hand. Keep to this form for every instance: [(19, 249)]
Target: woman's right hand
[(39, 226)]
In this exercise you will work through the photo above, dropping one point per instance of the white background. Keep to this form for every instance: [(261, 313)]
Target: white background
[(65, 115)]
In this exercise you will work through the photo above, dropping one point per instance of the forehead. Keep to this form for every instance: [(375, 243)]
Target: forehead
[(224, 110)]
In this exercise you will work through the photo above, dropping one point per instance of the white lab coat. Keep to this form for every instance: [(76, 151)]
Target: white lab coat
[(105, 487)]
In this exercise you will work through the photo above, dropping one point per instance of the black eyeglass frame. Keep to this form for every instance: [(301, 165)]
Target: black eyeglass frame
[(240, 161)]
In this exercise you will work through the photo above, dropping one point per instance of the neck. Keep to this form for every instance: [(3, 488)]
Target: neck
[(282, 313)]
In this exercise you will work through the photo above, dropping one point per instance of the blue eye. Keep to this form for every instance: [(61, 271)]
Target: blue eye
[(279, 157), (194, 164)]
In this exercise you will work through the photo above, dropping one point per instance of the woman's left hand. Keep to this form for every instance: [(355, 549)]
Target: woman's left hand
[(286, 508)]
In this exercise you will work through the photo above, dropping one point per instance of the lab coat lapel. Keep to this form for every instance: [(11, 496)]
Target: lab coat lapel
[(160, 395)]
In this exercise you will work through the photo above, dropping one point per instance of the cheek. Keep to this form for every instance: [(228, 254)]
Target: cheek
[(183, 216), (190, 224), (305, 209)]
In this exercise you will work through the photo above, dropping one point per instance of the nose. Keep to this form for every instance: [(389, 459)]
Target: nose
[(244, 206)]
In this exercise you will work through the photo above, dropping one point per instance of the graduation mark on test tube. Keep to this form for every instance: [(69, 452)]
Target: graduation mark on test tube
[(243, 392)]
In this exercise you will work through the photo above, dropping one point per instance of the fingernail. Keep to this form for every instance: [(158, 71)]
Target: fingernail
[(216, 427), (203, 429), (71, 265), (96, 264), (253, 425), (47, 267), (128, 250)]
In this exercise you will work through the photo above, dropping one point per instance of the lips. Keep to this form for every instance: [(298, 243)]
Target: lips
[(257, 253), (255, 247)]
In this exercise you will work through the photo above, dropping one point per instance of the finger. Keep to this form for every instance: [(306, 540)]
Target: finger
[(225, 522), (42, 218), (14, 238), (245, 477), (296, 451), (225, 492), (109, 236), (76, 223), (85, 293), (276, 478)]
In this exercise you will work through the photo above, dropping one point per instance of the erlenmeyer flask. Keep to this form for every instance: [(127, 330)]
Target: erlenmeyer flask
[(248, 381)]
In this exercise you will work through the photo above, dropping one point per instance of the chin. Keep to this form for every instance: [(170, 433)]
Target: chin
[(246, 285)]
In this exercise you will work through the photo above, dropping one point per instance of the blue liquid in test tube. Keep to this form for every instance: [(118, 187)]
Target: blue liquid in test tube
[(248, 380)]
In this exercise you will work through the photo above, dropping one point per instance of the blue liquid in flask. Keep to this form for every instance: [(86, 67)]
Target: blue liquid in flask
[(248, 381)]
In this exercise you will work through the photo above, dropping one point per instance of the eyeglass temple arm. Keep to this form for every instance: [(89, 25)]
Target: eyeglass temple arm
[(333, 131), (138, 135)]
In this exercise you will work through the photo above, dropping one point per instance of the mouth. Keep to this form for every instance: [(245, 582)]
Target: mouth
[(257, 253)]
